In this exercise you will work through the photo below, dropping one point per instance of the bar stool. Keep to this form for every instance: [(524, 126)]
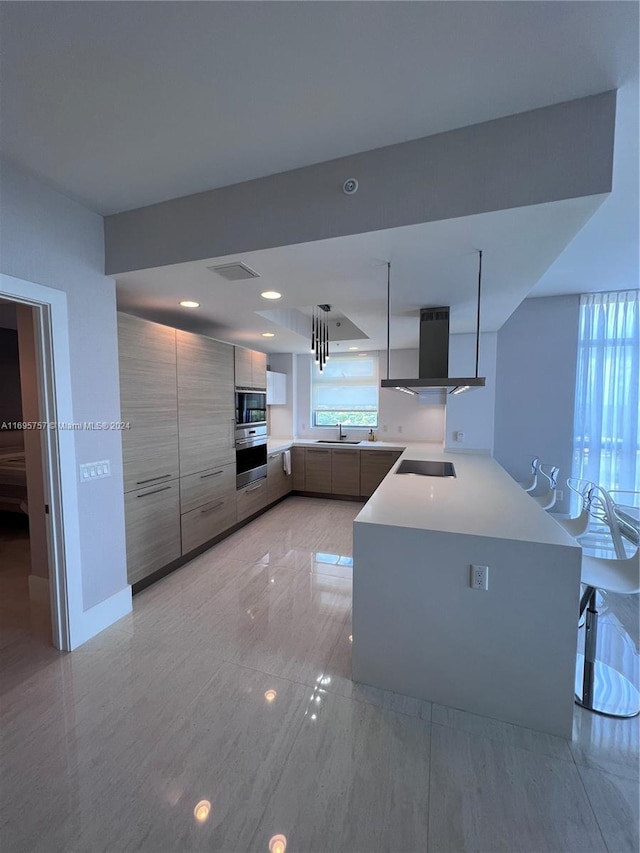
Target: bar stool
[(532, 482), (548, 499), (599, 687), (579, 524)]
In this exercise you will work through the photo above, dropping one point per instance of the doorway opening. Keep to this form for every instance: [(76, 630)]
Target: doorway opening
[(25, 604)]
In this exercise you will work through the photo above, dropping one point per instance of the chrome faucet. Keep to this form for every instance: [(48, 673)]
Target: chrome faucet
[(341, 435)]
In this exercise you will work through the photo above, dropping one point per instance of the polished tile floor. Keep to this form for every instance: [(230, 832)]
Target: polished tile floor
[(221, 716)]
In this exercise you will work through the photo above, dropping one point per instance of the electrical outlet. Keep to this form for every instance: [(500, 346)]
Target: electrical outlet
[(479, 577), (460, 436), (559, 495)]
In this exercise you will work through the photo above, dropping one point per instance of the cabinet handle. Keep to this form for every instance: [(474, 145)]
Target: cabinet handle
[(313, 450), (152, 479), (212, 474), (154, 492), (211, 508), (253, 488), (274, 455)]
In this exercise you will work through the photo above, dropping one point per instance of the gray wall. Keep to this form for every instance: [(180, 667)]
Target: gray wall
[(557, 152), (535, 387), (50, 240)]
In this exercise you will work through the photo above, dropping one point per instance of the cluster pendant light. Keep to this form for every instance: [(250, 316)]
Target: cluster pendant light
[(320, 334)]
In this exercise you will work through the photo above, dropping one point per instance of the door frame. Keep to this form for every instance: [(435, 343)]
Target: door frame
[(51, 328)]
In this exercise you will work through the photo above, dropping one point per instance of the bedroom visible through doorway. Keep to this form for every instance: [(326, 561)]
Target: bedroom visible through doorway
[(25, 608)]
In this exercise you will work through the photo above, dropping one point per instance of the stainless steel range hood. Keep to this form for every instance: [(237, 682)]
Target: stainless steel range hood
[(433, 353)]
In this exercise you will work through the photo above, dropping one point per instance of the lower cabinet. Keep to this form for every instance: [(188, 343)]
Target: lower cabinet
[(207, 486), (153, 529), (297, 469), (251, 499), (317, 469), (374, 467), (345, 471), (278, 481), (202, 524)]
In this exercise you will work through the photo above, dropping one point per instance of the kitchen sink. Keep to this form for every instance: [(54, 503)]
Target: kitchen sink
[(334, 441)]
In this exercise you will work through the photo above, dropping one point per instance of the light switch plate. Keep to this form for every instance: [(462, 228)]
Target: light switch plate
[(95, 470)]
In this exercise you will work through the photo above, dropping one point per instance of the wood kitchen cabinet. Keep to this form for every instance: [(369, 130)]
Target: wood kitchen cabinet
[(345, 471), (153, 528), (374, 467), (250, 368), (297, 469), (208, 521), (205, 402), (278, 481), (149, 401), (251, 499), (317, 469)]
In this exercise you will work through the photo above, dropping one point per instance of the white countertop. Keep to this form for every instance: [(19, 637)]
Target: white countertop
[(275, 444), (482, 500)]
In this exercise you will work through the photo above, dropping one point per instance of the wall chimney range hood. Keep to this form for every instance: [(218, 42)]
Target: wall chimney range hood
[(433, 353)]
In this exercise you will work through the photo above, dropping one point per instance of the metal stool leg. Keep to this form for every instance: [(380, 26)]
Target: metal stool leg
[(598, 687)]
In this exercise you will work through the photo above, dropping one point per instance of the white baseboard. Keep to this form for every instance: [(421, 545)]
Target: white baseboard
[(101, 616), (38, 589)]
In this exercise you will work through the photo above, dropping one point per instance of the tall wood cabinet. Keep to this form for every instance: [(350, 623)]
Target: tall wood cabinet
[(149, 404)]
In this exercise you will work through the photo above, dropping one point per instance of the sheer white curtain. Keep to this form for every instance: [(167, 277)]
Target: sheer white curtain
[(606, 438)]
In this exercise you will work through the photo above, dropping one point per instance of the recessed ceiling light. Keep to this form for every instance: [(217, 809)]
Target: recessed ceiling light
[(353, 347), (270, 294), (268, 335), (187, 303)]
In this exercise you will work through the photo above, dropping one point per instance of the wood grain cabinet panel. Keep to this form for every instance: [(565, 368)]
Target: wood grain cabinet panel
[(278, 482), (153, 529), (374, 467), (205, 403), (207, 521), (297, 469), (258, 369), (244, 376), (345, 471), (207, 486), (251, 499), (149, 401), (317, 469)]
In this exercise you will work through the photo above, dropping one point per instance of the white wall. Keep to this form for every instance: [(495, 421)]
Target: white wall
[(281, 418), (473, 412), (52, 241), (536, 378)]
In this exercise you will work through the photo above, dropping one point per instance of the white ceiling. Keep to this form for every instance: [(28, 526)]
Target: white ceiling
[(120, 105)]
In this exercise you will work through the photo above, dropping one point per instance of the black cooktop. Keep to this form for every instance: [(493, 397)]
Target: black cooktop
[(426, 469)]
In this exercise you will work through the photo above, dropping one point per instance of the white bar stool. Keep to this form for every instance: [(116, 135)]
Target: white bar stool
[(532, 482), (599, 687), (579, 524), (548, 499)]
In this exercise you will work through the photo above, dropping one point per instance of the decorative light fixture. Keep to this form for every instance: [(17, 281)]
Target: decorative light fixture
[(270, 294), (320, 334), (188, 303)]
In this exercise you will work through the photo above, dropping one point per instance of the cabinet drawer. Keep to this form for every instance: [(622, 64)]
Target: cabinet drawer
[(345, 471), (152, 517), (317, 473), (278, 482), (207, 486), (202, 524), (251, 499)]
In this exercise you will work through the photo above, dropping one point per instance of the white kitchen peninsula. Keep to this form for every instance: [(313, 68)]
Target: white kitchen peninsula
[(419, 628)]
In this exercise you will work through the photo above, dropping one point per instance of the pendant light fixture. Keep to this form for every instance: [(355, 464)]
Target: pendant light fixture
[(320, 334)]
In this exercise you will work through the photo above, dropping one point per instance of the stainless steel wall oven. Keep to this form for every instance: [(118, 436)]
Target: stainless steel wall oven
[(251, 454)]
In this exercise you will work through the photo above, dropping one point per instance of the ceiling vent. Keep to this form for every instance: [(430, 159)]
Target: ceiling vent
[(235, 272)]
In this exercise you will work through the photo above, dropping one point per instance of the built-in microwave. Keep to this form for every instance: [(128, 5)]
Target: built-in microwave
[(251, 407)]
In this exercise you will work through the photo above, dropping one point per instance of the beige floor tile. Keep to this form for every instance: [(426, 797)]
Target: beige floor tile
[(486, 796)]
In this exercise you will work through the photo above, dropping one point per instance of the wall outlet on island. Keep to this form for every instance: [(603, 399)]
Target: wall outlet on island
[(559, 495), (479, 577)]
